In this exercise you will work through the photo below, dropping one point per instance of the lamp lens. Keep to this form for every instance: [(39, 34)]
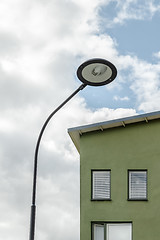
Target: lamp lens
[(96, 73), (99, 70)]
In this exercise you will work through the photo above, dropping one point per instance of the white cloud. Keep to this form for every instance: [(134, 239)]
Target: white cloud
[(131, 10), (144, 79), (117, 98), (157, 54)]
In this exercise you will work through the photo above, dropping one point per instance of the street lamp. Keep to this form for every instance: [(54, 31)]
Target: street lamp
[(94, 72)]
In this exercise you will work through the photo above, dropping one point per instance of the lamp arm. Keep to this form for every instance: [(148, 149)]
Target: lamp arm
[(33, 206)]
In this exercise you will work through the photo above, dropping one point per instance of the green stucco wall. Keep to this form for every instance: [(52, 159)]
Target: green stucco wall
[(136, 146)]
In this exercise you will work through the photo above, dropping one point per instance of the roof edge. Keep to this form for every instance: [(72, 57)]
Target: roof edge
[(76, 132)]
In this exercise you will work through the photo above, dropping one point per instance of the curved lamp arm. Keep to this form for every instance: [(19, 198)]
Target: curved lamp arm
[(33, 206)]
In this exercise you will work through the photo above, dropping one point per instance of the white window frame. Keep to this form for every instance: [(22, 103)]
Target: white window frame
[(101, 184), (137, 189), (106, 233)]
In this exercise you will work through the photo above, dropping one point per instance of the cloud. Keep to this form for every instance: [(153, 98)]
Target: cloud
[(117, 98), (125, 10), (143, 80), (157, 54), (145, 84)]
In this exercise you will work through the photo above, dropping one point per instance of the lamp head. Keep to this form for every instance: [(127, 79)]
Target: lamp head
[(96, 72)]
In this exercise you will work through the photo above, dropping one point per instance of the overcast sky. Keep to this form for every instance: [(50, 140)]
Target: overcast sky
[(42, 43)]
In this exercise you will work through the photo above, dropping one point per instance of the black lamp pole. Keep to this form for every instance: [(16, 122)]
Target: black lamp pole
[(94, 72)]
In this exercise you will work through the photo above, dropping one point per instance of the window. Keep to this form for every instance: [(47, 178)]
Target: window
[(137, 185), (112, 231), (101, 184)]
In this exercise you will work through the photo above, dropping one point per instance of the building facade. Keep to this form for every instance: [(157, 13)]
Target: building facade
[(120, 178)]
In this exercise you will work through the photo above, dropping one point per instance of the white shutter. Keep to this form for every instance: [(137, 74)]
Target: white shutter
[(101, 185), (98, 231), (138, 185)]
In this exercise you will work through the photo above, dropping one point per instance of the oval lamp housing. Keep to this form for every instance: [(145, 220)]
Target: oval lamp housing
[(96, 72)]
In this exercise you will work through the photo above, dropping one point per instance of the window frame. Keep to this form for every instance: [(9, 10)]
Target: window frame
[(105, 223), (100, 199), (137, 199)]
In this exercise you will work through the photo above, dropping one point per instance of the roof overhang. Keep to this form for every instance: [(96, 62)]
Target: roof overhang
[(76, 132)]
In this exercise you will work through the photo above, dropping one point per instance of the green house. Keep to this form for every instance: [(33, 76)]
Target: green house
[(120, 178)]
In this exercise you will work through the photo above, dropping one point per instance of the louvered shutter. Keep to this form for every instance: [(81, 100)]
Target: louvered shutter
[(101, 185), (137, 185)]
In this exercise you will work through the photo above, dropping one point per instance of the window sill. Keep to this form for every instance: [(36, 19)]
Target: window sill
[(102, 199), (136, 199)]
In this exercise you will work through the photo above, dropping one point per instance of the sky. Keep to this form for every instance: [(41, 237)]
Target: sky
[(42, 43)]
